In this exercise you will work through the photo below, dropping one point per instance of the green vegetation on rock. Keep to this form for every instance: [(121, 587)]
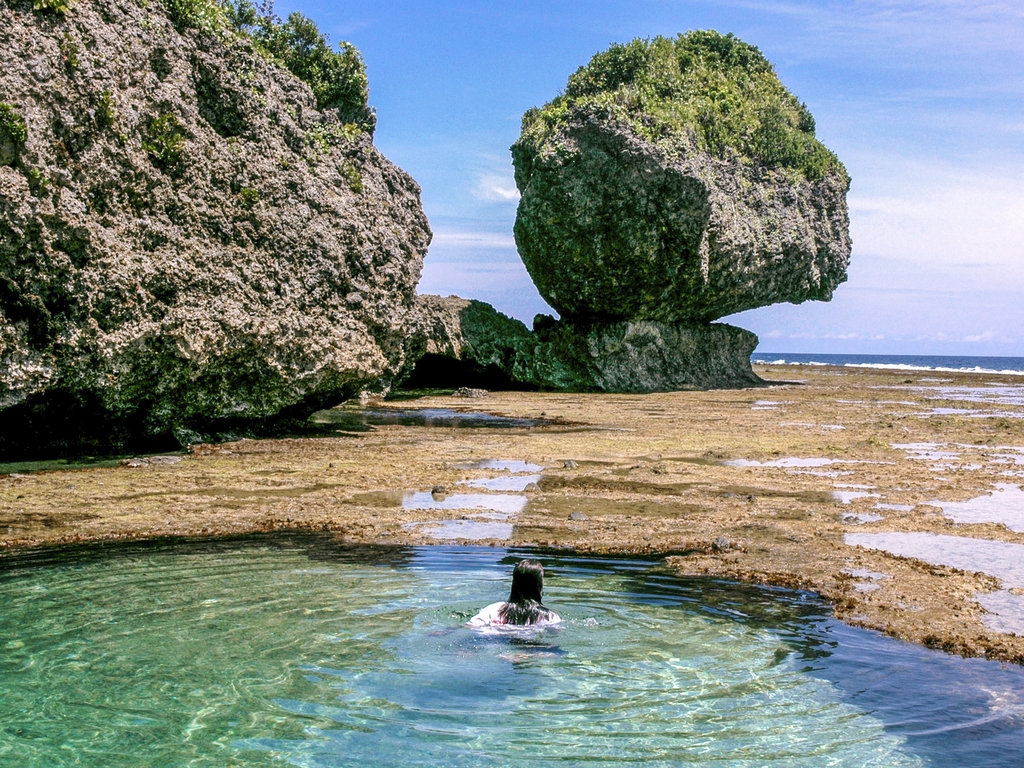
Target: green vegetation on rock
[(703, 87), (105, 113), (165, 142), (69, 52), (56, 7), (337, 78), (13, 134)]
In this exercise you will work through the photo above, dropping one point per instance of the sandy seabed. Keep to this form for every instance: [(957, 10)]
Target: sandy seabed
[(759, 485)]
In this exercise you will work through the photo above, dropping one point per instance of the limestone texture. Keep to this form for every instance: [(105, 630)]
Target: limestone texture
[(187, 243), (643, 198)]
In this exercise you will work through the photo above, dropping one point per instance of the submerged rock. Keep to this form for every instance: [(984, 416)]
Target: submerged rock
[(188, 243), (678, 180)]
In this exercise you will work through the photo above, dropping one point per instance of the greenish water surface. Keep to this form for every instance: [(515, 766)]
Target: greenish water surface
[(294, 650)]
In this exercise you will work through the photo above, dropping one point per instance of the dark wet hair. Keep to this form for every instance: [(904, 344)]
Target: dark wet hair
[(524, 601)]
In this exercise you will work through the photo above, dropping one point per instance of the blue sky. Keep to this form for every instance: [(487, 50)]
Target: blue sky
[(923, 102)]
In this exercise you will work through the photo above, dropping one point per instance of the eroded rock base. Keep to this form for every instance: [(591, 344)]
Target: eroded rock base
[(458, 342)]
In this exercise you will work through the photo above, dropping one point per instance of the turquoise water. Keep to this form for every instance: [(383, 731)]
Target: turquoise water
[(292, 650)]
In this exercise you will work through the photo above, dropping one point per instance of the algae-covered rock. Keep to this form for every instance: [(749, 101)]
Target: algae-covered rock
[(644, 356), (678, 180), (456, 342), (191, 237)]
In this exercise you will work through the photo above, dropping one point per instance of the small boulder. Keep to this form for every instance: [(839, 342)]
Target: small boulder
[(469, 392)]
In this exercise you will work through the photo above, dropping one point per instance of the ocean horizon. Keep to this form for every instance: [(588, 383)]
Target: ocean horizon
[(939, 363)]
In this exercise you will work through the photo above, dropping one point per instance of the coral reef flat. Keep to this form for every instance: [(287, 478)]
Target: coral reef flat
[(782, 486)]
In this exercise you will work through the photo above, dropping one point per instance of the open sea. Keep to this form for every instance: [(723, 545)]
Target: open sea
[(1007, 365)]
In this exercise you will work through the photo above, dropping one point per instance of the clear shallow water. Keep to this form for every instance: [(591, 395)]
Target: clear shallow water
[(1005, 504), (295, 651)]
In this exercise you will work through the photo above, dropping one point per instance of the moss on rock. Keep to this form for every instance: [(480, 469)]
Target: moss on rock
[(703, 87)]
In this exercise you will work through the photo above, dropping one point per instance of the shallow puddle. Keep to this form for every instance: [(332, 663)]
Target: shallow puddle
[(845, 497), (995, 394), (504, 503), (866, 580), (509, 483), (1001, 559), (507, 465), (295, 650), (926, 451), (787, 462), (464, 530), (1004, 505), (860, 518), (1005, 611)]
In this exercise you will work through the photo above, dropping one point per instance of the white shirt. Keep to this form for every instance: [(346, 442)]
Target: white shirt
[(489, 616)]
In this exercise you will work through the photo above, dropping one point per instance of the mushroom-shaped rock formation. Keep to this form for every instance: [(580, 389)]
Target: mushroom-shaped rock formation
[(678, 180), (193, 239)]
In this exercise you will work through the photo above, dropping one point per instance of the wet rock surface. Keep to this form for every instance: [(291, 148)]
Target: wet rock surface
[(188, 245)]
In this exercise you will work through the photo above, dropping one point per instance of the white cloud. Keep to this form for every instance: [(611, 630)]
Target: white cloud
[(496, 188), (456, 239), (948, 26), (940, 215), (986, 336)]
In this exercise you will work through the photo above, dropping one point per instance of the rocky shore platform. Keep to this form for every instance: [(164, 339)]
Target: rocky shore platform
[(889, 493)]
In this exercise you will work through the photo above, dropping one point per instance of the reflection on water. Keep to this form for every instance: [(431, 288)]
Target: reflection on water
[(504, 503), (787, 462), (476, 528), (1001, 559), (280, 650), (507, 465), (506, 483)]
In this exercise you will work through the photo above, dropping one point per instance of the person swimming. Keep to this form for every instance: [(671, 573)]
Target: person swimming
[(524, 601)]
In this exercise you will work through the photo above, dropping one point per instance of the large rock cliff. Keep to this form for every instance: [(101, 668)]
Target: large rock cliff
[(189, 242)]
